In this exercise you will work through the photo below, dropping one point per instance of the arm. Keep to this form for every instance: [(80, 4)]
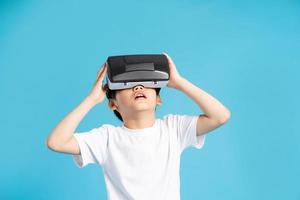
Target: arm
[(62, 138), (215, 114)]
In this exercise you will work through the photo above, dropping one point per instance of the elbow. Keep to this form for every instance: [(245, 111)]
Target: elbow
[(56, 144), (225, 117), (51, 144)]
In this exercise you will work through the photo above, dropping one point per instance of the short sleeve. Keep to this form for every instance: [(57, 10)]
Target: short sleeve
[(185, 130), (93, 147)]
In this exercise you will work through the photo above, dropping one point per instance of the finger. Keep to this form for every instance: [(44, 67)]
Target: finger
[(98, 75), (101, 69), (101, 75), (168, 58), (166, 55)]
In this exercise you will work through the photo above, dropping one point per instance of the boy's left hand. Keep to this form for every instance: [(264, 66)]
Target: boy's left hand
[(175, 77)]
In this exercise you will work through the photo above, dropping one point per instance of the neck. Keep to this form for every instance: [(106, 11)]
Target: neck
[(140, 120)]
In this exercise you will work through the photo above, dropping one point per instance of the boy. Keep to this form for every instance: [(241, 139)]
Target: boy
[(141, 158)]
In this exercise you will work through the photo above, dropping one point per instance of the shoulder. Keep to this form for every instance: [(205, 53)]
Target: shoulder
[(107, 128), (176, 117), (170, 119), (100, 130), (175, 120)]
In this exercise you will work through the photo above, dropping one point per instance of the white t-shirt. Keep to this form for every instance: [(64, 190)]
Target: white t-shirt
[(140, 164)]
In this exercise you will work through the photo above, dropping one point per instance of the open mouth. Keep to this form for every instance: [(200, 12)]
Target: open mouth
[(140, 96)]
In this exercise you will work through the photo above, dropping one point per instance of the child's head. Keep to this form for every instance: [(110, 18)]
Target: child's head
[(131, 100)]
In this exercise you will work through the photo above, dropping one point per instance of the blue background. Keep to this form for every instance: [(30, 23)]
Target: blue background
[(244, 53)]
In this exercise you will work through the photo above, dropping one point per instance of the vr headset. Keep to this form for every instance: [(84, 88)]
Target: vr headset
[(127, 71)]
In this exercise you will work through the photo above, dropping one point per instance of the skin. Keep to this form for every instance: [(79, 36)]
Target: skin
[(136, 113)]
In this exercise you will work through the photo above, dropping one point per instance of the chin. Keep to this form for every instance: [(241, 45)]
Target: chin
[(143, 108)]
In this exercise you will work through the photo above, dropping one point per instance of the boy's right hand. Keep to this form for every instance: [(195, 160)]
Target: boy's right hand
[(98, 92)]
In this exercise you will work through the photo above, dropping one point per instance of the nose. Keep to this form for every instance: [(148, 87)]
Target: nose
[(138, 87)]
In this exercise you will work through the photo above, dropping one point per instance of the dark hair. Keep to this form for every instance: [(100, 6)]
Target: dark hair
[(111, 94)]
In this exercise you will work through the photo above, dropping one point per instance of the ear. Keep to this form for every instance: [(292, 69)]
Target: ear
[(112, 104), (158, 101)]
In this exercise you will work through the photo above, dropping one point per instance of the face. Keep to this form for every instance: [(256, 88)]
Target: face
[(136, 99)]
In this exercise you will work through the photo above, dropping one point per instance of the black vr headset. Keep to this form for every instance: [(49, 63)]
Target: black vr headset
[(126, 71)]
